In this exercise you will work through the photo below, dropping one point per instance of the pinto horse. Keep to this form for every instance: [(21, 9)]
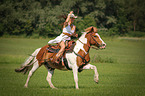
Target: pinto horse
[(77, 60)]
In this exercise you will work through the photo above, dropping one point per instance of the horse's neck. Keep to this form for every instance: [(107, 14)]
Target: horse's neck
[(82, 45)]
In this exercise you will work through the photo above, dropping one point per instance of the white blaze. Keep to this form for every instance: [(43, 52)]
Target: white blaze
[(100, 38)]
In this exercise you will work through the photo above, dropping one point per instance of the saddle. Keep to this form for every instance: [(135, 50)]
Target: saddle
[(68, 49)]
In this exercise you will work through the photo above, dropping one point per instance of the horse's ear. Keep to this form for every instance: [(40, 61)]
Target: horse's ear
[(95, 30), (91, 29)]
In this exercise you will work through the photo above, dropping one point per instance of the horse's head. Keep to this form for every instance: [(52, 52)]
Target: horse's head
[(94, 38)]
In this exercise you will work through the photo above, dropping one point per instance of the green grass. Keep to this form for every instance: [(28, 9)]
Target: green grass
[(121, 68)]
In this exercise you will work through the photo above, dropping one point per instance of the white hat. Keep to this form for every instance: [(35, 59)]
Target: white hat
[(72, 16)]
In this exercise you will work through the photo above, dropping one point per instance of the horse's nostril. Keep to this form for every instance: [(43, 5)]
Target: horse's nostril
[(104, 44)]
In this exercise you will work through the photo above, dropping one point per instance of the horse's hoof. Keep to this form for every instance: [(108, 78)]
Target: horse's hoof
[(54, 88), (25, 86), (97, 82)]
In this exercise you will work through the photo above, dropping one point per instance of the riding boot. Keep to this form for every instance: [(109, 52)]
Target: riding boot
[(56, 58)]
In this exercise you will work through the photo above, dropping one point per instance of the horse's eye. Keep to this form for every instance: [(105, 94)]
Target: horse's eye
[(95, 36)]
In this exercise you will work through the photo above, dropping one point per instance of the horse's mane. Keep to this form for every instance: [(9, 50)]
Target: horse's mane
[(83, 33)]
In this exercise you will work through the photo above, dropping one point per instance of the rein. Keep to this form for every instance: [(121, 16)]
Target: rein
[(83, 58), (88, 46)]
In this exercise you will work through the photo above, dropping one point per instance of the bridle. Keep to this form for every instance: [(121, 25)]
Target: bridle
[(95, 40)]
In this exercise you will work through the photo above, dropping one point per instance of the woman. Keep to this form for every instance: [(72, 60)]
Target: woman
[(68, 30)]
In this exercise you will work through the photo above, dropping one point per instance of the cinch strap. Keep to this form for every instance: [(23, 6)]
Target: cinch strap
[(66, 63)]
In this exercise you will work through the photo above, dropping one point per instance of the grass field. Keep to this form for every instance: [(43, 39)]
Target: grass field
[(121, 68)]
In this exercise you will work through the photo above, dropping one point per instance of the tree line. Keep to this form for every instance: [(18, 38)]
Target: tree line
[(46, 17)]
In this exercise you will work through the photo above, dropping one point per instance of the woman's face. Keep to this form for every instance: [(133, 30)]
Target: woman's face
[(72, 19)]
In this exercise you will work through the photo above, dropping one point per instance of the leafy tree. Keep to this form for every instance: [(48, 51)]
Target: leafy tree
[(135, 12), (85, 23), (45, 17)]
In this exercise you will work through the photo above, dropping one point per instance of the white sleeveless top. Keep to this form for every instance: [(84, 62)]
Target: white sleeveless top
[(63, 37), (68, 30)]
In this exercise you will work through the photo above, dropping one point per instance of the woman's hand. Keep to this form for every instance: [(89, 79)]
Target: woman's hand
[(75, 35), (71, 12)]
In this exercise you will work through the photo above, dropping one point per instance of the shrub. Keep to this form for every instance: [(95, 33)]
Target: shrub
[(100, 59)]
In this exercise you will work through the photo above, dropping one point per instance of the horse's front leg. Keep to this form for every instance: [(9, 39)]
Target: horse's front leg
[(75, 73), (96, 76)]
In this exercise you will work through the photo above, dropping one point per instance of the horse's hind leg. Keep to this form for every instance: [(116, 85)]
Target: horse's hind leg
[(34, 68), (96, 76), (49, 76)]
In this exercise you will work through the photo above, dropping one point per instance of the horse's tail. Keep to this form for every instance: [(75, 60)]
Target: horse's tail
[(27, 65)]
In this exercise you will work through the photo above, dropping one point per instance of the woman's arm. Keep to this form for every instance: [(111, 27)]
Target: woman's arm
[(67, 19), (74, 34)]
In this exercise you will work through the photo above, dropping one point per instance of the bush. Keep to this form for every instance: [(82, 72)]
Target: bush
[(99, 59), (135, 34)]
